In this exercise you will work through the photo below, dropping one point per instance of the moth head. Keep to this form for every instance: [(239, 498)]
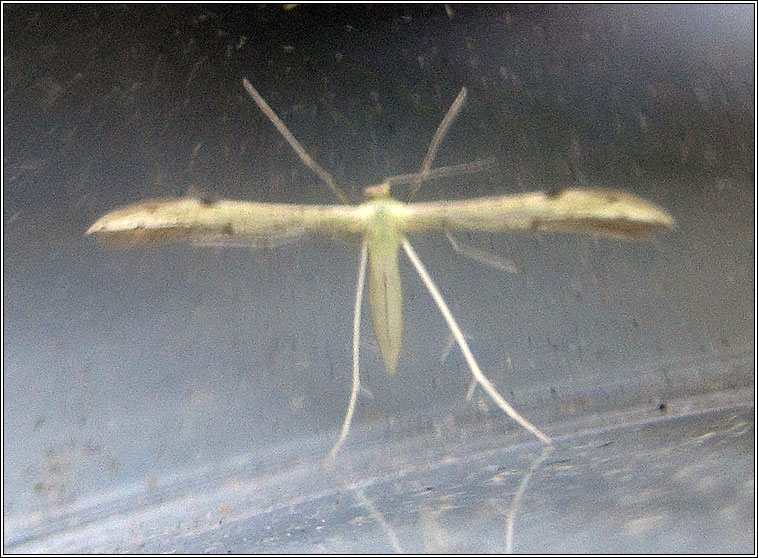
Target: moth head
[(377, 192)]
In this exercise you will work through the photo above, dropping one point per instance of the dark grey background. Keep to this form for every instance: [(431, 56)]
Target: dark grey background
[(174, 398)]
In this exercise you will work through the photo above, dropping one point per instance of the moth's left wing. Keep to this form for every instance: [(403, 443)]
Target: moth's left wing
[(603, 212), (223, 222)]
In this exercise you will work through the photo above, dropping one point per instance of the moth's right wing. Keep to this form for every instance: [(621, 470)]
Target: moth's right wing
[(223, 222), (608, 213)]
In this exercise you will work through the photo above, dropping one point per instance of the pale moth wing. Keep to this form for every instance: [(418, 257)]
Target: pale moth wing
[(609, 213)]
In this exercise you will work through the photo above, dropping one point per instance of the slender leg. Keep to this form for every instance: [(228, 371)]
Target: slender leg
[(443, 172), (473, 366), (452, 112), (356, 351), (481, 256), (304, 157)]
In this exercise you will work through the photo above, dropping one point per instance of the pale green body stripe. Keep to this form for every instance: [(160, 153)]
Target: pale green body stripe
[(384, 287)]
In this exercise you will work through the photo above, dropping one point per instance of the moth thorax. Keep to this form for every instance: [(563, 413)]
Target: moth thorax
[(377, 192)]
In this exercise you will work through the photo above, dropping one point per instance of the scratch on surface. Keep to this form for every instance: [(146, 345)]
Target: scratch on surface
[(379, 518), (511, 519)]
